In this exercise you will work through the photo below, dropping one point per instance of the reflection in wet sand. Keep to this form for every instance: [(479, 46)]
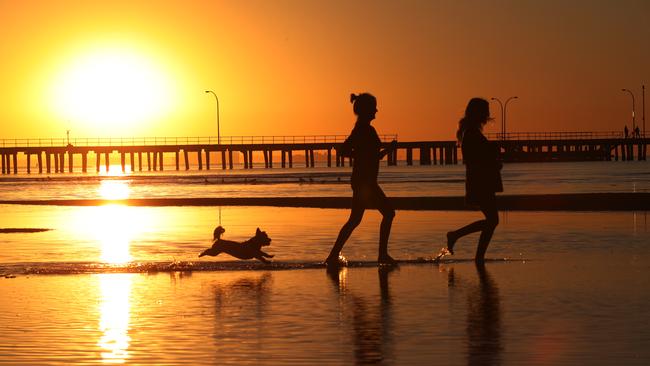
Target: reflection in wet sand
[(484, 321), (483, 317), (114, 310), (240, 310), (371, 323)]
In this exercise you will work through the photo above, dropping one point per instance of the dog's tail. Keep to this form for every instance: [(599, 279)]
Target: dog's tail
[(210, 251)]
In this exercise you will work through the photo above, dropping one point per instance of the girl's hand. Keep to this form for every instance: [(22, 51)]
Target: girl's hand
[(393, 145)]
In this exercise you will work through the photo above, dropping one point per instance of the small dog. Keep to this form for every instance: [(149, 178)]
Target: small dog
[(251, 248)]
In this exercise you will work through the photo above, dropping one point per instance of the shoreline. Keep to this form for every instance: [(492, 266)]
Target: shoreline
[(527, 202)]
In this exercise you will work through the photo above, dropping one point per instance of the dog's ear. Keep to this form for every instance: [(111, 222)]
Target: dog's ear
[(257, 232)]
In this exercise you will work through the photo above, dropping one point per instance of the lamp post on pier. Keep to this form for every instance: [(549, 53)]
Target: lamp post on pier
[(504, 110), (633, 121), (218, 131), (503, 132)]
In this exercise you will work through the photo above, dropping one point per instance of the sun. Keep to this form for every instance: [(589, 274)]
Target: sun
[(111, 87)]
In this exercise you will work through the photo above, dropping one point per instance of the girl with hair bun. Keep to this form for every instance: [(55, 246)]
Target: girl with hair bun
[(364, 147)]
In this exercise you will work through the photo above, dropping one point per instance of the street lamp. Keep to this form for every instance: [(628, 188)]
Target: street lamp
[(503, 132), (218, 132), (632, 95), (643, 103), (504, 110)]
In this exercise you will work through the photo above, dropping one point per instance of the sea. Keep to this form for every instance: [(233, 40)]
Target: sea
[(112, 283)]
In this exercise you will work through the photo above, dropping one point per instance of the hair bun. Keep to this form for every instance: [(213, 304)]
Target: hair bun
[(353, 97)]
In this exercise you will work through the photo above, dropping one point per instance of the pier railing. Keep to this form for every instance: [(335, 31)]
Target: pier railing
[(564, 135), (179, 141)]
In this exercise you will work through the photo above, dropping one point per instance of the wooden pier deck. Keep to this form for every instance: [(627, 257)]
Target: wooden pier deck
[(570, 146), (58, 156), (138, 154)]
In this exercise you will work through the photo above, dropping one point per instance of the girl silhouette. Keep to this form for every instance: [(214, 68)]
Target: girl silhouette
[(364, 146), (483, 176)]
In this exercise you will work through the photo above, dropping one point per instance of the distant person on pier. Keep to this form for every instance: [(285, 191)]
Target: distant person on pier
[(626, 131), (483, 176), (637, 132), (364, 147)]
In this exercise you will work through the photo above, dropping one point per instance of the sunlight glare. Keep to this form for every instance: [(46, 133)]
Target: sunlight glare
[(112, 86), (114, 189), (116, 241)]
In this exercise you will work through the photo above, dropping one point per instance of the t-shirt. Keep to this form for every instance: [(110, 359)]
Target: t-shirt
[(483, 176), (363, 145)]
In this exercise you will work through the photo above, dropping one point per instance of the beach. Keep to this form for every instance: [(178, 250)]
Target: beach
[(566, 309), (115, 283)]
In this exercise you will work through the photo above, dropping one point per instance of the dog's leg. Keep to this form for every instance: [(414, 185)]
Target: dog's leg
[(267, 255), (261, 258)]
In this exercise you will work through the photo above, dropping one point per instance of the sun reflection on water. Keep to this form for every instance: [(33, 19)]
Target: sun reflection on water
[(116, 238), (114, 189), (114, 309), (118, 223)]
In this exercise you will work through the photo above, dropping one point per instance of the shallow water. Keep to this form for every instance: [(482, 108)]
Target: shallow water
[(399, 181), (574, 291), (559, 288), (511, 313)]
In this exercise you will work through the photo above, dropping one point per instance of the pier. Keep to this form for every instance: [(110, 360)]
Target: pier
[(204, 153), (570, 146), (148, 154)]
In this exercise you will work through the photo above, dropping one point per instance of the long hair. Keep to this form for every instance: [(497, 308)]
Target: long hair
[(477, 113), (363, 104)]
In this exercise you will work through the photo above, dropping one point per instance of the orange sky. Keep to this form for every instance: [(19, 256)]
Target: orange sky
[(140, 68)]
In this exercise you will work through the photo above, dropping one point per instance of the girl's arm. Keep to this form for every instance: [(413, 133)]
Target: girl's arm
[(345, 149), (391, 147)]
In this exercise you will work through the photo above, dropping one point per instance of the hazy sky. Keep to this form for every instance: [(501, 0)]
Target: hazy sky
[(140, 68)]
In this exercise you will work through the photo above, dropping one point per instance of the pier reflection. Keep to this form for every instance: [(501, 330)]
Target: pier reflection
[(114, 312)]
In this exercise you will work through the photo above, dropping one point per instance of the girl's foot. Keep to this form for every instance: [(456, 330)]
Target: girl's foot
[(386, 260), (336, 261), (451, 241), (332, 262)]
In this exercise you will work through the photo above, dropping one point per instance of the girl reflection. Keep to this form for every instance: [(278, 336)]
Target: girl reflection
[(371, 323), (483, 318)]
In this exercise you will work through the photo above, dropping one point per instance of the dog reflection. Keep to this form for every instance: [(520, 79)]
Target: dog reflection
[(241, 306)]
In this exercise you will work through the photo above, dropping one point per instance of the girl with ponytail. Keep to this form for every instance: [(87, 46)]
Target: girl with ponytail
[(364, 147)]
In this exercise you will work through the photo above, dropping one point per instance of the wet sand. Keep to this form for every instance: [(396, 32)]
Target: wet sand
[(507, 313), (573, 290), (529, 202)]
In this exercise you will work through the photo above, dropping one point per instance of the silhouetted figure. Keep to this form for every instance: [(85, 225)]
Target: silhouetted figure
[(626, 131), (483, 176), (637, 132), (364, 147)]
